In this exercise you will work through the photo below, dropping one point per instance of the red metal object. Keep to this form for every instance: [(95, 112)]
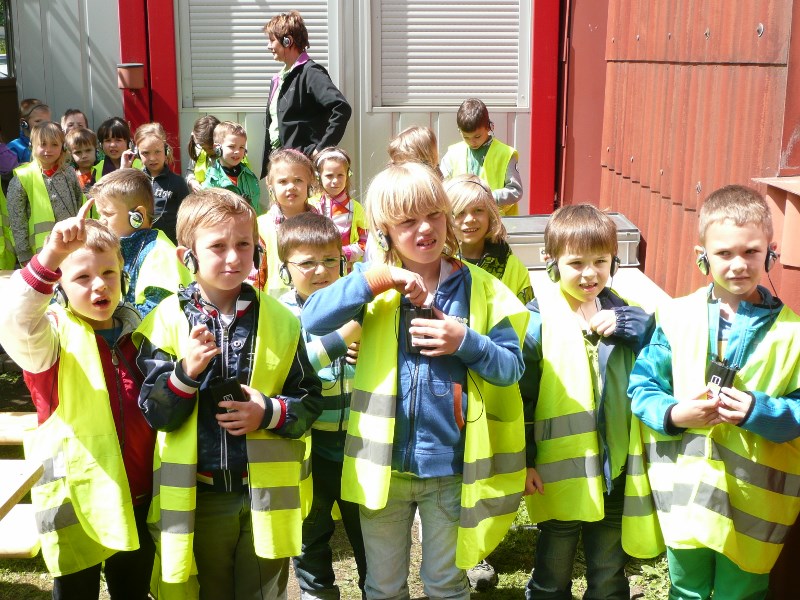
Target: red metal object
[(133, 49)]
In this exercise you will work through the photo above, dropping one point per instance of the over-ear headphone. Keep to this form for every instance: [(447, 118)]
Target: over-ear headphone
[(60, 296), (705, 266), (551, 266), (285, 275), (286, 41), (382, 240), (190, 261), (135, 218), (23, 122), (217, 150)]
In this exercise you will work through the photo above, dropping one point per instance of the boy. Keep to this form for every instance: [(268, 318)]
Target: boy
[(717, 394), (32, 111), (82, 146), (310, 248), (226, 370), (124, 203), (73, 118), (228, 171), (579, 350), (481, 154), (79, 364)]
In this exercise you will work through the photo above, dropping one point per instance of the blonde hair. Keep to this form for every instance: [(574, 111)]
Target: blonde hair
[(467, 190), (415, 144), (100, 238), (400, 192), (157, 131), (225, 128), (128, 188), (49, 132), (337, 155), (207, 208), (579, 228), (741, 204)]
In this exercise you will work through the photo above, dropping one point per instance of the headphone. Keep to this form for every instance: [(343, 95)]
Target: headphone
[(382, 240), (286, 276), (135, 218), (551, 266), (705, 266), (60, 296), (191, 263), (218, 150), (286, 41), (23, 122)]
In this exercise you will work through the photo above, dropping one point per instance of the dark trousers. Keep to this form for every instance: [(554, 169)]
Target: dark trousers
[(314, 566), (127, 573)]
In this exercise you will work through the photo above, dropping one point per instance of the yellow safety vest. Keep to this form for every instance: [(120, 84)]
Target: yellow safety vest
[(42, 219), (517, 278), (494, 168), (722, 487), (8, 256), (161, 269), (494, 449), (268, 232), (84, 511), (97, 169), (278, 468)]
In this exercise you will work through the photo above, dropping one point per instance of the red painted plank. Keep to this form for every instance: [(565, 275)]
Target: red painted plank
[(133, 49)]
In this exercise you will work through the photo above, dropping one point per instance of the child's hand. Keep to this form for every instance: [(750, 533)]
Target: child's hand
[(698, 412), (533, 482), (443, 334), (194, 186), (244, 416), (352, 353), (66, 237), (604, 322), (126, 160), (733, 405), (410, 285), (202, 348)]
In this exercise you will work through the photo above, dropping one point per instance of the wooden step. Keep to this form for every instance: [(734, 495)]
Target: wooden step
[(13, 425), (18, 535)]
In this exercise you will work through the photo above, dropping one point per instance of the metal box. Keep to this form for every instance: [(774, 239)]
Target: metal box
[(526, 238)]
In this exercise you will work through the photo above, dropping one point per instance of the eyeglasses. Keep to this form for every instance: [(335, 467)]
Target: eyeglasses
[(311, 265)]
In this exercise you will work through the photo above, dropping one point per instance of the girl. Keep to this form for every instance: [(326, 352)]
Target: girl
[(333, 173), (415, 144), (169, 189), (42, 192), (290, 182), (200, 150), (418, 434), (114, 136), (483, 235)]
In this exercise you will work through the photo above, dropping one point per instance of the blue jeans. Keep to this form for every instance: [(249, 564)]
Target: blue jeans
[(314, 566), (387, 538), (602, 546)]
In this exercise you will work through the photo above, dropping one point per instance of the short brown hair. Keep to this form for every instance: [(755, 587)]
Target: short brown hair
[(415, 144), (202, 134), (579, 228), (225, 128), (207, 208), (115, 127), (72, 112), (288, 24), (741, 204), (80, 136), (49, 132), (473, 114), (100, 238), (28, 105), (128, 187), (307, 229), (467, 190)]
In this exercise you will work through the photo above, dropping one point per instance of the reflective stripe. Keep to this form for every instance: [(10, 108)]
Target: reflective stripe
[(277, 498), (58, 517), (378, 453), (175, 475), (690, 444), (570, 468), (565, 425), (305, 470), (679, 495), (49, 471), (275, 450), (487, 508), (635, 465), (374, 404), (496, 464), (43, 227), (176, 521), (759, 475), (638, 506)]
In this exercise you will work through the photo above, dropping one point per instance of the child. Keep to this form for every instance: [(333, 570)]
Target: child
[(290, 180), (579, 350), (97, 449), (124, 203), (310, 249), (226, 370), (32, 111), (115, 137), (481, 154), (42, 192), (72, 118), (82, 146), (483, 235), (169, 189), (431, 411), (228, 171), (201, 151), (333, 173), (415, 144), (717, 394)]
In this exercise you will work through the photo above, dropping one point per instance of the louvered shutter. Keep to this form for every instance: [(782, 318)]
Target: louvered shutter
[(227, 55), (438, 52)]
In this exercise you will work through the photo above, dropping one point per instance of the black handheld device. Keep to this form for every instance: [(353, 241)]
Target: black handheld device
[(407, 314), (720, 374), (225, 389)]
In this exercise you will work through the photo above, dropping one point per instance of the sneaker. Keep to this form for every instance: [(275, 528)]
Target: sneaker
[(482, 576)]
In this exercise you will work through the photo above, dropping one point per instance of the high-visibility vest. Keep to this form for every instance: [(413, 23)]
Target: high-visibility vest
[(8, 255), (42, 219), (494, 168), (268, 232), (97, 169), (278, 468), (517, 278), (161, 269), (84, 511), (722, 487), (494, 448)]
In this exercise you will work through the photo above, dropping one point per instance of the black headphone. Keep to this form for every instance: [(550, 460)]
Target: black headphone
[(705, 266), (551, 266), (286, 41), (190, 259), (135, 218), (218, 150), (23, 122), (60, 296)]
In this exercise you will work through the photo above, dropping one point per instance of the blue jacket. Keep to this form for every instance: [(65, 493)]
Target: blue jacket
[(21, 147), (650, 389), (427, 439)]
